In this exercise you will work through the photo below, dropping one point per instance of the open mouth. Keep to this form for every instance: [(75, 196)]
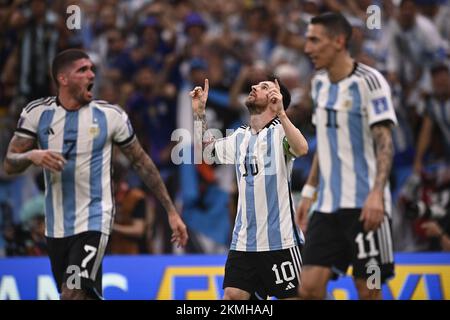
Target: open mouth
[(90, 86)]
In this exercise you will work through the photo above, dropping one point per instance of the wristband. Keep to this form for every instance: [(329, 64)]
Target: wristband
[(308, 191)]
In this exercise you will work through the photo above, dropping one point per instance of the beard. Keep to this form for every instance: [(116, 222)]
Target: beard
[(77, 93), (254, 108)]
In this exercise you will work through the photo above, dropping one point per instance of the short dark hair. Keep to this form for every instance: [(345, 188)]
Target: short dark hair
[(283, 90), (403, 2), (65, 58), (335, 24), (438, 68)]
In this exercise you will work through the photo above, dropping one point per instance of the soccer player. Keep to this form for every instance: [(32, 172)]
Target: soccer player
[(71, 136), (353, 115), (265, 249)]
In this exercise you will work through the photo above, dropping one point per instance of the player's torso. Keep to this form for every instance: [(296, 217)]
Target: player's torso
[(80, 136), (340, 108), (78, 198), (257, 155), (344, 142), (341, 118), (263, 220)]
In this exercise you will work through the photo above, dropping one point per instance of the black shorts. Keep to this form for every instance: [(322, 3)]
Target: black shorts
[(77, 260), (338, 240), (268, 273)]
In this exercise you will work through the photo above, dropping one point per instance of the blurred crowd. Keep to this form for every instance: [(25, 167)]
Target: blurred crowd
[(149, 54)]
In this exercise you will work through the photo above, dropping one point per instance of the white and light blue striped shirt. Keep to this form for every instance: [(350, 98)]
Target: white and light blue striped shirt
[(79, 198), (265, 213), (343, 114)]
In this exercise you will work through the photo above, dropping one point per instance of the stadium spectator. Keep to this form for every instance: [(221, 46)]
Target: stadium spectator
[(39, 42), (128, 231), (437, 114), (415, 44), (434, 230)]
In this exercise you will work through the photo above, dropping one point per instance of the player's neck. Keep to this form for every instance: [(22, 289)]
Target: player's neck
[(341, 67), (67, 101), (259, 121)]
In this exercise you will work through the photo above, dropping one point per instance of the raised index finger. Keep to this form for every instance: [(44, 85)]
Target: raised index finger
[(206, 89), (277, 85)]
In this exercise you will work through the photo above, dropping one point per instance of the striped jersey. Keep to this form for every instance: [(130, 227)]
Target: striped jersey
[(80, 197), (263, 163), (343, 114), (439, 112)]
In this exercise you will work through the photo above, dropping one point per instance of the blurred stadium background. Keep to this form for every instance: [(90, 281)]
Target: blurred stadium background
[(148, 55)]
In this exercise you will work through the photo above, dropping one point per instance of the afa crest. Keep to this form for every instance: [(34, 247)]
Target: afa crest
[(348, 104), (94, 130)]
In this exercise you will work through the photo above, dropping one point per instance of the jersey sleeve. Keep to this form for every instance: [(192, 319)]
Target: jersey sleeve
[(27, 125), (123, 132), (225, 149), (283, 141), (379, 100)]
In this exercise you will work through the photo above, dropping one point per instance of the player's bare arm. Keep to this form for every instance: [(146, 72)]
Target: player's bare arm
[(22, 153), (199, 96), (308, 194), (373, 210), (313, 177), (297, 142), (384, 150), (147, 171)]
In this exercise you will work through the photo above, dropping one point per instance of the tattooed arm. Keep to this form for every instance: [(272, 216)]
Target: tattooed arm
[(373, 211), (22, 153), (147, 171), (199, 97), (384, 151)]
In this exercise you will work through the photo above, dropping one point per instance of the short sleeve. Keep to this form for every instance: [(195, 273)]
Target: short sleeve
[(282, 140), (27, 125), (379, 103), (287, 148), (123, 132), (225, 149)]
